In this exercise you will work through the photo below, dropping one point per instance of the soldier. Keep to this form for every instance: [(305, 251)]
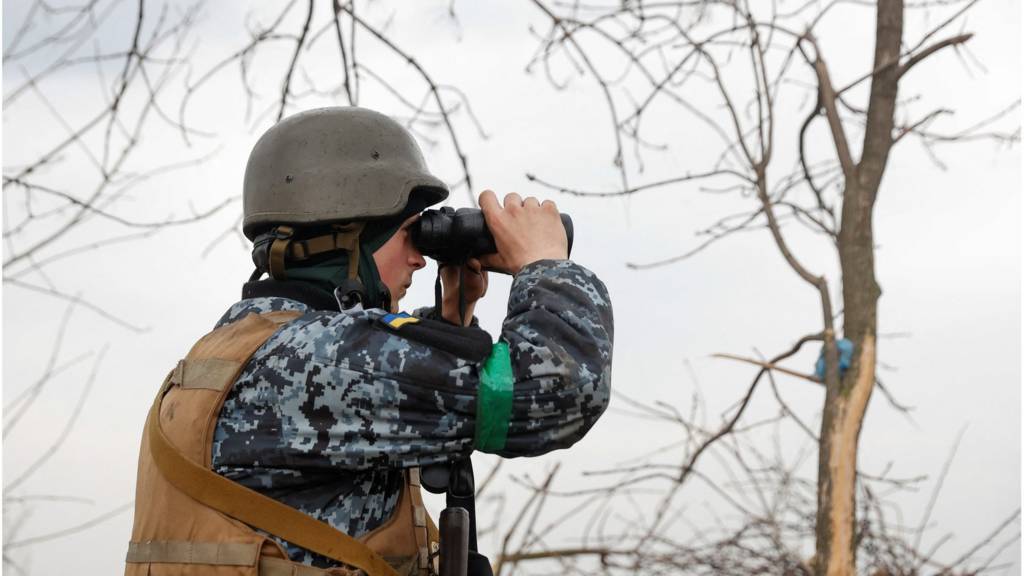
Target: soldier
[(290, 438)]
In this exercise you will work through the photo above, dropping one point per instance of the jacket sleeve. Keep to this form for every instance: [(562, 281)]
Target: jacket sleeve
[(559, 332), (346, 391)]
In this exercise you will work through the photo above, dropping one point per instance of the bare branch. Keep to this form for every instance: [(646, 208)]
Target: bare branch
[(642, 188), (463, 160), (919, 56), (769, 366), (58, 294), (938, 487), (72, 530), (828, 98), (286, 87), (49, 452)]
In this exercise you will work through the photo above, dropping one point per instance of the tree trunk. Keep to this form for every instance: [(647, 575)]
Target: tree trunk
[(847, 402)]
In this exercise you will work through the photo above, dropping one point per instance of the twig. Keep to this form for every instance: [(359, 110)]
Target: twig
[(72, 530), (84, 303), (55, 446), (769, 366), (938, 487)]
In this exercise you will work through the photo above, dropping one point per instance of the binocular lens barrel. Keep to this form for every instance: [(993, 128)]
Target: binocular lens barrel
[(453, 236)]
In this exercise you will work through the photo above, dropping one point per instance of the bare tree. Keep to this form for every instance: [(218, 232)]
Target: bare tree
[(745, 55)]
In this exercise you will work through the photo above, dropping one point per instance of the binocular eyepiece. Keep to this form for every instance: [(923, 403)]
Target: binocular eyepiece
[(453, 236)]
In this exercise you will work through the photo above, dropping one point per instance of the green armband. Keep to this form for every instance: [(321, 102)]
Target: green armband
[(494, 401)]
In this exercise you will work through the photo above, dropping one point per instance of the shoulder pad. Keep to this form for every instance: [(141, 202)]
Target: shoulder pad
[(470, 343)]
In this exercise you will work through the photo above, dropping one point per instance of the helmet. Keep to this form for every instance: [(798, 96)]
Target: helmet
[(331, 165)]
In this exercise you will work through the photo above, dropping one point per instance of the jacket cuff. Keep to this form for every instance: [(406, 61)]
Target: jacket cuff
[(431, 313)]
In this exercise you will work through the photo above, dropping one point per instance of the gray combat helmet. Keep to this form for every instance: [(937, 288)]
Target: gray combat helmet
[(330, 165)]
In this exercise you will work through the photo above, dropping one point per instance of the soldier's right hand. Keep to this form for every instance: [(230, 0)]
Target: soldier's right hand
[(524, 231)]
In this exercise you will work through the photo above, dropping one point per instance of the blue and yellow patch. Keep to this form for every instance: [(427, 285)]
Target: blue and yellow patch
[(396, 321)]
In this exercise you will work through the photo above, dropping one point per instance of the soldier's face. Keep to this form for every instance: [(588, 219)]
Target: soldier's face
[(396, 260)]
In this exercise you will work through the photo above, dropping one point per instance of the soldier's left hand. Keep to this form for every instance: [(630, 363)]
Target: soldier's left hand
[(474, 287)]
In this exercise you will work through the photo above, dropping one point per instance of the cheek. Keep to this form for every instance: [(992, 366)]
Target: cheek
[(393, 266), (391, 280), (385, 260)]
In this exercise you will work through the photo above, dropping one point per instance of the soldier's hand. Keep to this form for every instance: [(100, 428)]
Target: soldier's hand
[(524, 231), (474, 286)]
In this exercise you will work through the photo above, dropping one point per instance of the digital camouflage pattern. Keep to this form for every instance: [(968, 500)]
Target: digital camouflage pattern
[(327, 412)]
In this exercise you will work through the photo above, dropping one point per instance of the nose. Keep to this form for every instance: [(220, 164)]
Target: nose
[(416, 259)]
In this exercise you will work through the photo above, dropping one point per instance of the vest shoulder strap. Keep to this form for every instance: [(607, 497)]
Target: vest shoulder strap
[(234, 344)]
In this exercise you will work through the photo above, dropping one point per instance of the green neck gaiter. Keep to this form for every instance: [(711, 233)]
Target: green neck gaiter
[(328, 273)]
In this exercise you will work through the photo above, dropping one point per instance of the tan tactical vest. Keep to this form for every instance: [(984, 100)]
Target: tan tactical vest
[(191, 521)]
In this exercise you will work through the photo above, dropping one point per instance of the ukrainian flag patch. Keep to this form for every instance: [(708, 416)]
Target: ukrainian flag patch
[(396, 321)]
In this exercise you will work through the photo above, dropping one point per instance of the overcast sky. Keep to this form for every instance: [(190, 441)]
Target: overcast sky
[(948, 261)]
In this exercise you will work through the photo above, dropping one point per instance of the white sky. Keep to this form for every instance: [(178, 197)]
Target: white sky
[(948, 262)]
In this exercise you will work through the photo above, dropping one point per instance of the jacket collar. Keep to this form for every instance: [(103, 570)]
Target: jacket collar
[(293, 290)]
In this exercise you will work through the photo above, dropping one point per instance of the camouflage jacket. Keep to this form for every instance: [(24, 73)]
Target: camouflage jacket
[(327, 412)]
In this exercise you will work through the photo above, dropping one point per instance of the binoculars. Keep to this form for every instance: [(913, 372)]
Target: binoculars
[(453, 236)]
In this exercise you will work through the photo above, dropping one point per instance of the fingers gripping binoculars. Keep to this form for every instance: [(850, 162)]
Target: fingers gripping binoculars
[(453, 236)]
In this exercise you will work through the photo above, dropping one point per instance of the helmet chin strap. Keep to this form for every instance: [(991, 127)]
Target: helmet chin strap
[(273, 249)]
